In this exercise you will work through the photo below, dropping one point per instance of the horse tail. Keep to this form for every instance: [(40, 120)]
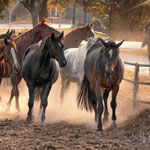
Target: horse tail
[(84, 98)]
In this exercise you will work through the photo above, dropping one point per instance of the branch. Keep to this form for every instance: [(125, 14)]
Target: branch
[(26, 4)]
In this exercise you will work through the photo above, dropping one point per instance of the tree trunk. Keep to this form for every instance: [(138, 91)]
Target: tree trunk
[(43, 12), (73, 15), (84, 10), (34, 18)]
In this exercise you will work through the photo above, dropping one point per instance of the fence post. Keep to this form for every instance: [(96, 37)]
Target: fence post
[(135, 85)]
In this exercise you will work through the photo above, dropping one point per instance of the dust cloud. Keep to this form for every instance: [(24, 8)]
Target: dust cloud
[(68, 111)]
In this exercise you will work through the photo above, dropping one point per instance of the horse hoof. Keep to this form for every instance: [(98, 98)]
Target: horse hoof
[(99, 131), (105, 120), (113, 126), (29, 119), (42, 119)]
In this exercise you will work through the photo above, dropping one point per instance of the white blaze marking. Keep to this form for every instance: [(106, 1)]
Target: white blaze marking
[(110, 53), (13, 55)]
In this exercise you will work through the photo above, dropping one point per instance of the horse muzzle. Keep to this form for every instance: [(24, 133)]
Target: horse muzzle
[(62, 63), (16, 67), (108, 73)]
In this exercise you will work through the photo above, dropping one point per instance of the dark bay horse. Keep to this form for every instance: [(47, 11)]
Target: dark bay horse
[(23, 41), (104, 72), (40, 70), (75, 37), (9, 65)]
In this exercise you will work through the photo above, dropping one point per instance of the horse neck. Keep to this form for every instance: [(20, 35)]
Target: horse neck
[(76, 37), (44, 56), (24, 41)]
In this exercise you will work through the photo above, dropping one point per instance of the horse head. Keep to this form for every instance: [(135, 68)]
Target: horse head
[(110, 56), (10, 54), (55, 48), (88, 30), (7, 35)]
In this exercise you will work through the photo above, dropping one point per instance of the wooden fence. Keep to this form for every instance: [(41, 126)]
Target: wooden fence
[(136, 82)]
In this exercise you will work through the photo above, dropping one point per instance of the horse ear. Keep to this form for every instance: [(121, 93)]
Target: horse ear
[(104, 43), (5, 41), (61, 35), (10, 33), (43, 21), (91, 25), (52, 36), (119, 44), (7, 31)]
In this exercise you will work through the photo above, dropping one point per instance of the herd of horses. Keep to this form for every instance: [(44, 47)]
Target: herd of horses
[(95, 66)]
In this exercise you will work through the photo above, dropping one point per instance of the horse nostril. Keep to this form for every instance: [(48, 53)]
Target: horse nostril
[(108, 73)]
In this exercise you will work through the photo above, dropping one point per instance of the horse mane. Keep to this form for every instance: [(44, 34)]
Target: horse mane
[(93, 42)]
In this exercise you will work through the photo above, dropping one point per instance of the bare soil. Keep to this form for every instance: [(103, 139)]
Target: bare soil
[(68, 127)]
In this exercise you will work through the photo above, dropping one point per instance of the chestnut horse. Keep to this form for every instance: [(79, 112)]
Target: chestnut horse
[(75, 37), (9, 65), (103, 72)]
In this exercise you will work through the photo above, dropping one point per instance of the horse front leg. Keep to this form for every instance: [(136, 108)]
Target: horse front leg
[(44, 95), (105, 98), (63, 87), (114, 105), (30, 102), (99, 95), (15, 92)]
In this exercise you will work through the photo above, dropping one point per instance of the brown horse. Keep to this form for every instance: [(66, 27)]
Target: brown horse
[(23, 41), (75, 37), (9, 66), (104, 71)]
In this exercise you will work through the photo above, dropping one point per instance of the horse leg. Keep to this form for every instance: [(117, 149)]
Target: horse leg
[(30, 102), (10, 100), (94, 102), (63, 83), (105, 97), (44, 94), (114, 105), (99, 95)]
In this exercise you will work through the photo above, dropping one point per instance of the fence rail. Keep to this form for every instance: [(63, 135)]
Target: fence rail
[(136, 82)]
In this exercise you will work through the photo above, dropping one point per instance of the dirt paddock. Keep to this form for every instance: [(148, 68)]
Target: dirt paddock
[(68, 127)]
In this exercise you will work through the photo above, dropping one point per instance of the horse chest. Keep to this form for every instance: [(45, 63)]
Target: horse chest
[(44, 76), (107, 83)]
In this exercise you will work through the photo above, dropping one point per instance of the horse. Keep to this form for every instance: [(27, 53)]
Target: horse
[(75, 37), (9, 65), (39, 69), (103, 72), (7, 35), (39, 32), (74, 70), (147, 40)]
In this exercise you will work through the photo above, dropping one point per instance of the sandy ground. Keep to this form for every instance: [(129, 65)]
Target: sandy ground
[(68, 127)]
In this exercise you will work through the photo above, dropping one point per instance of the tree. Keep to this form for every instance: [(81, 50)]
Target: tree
[(3, 5), (34, 7), (43, 12)]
